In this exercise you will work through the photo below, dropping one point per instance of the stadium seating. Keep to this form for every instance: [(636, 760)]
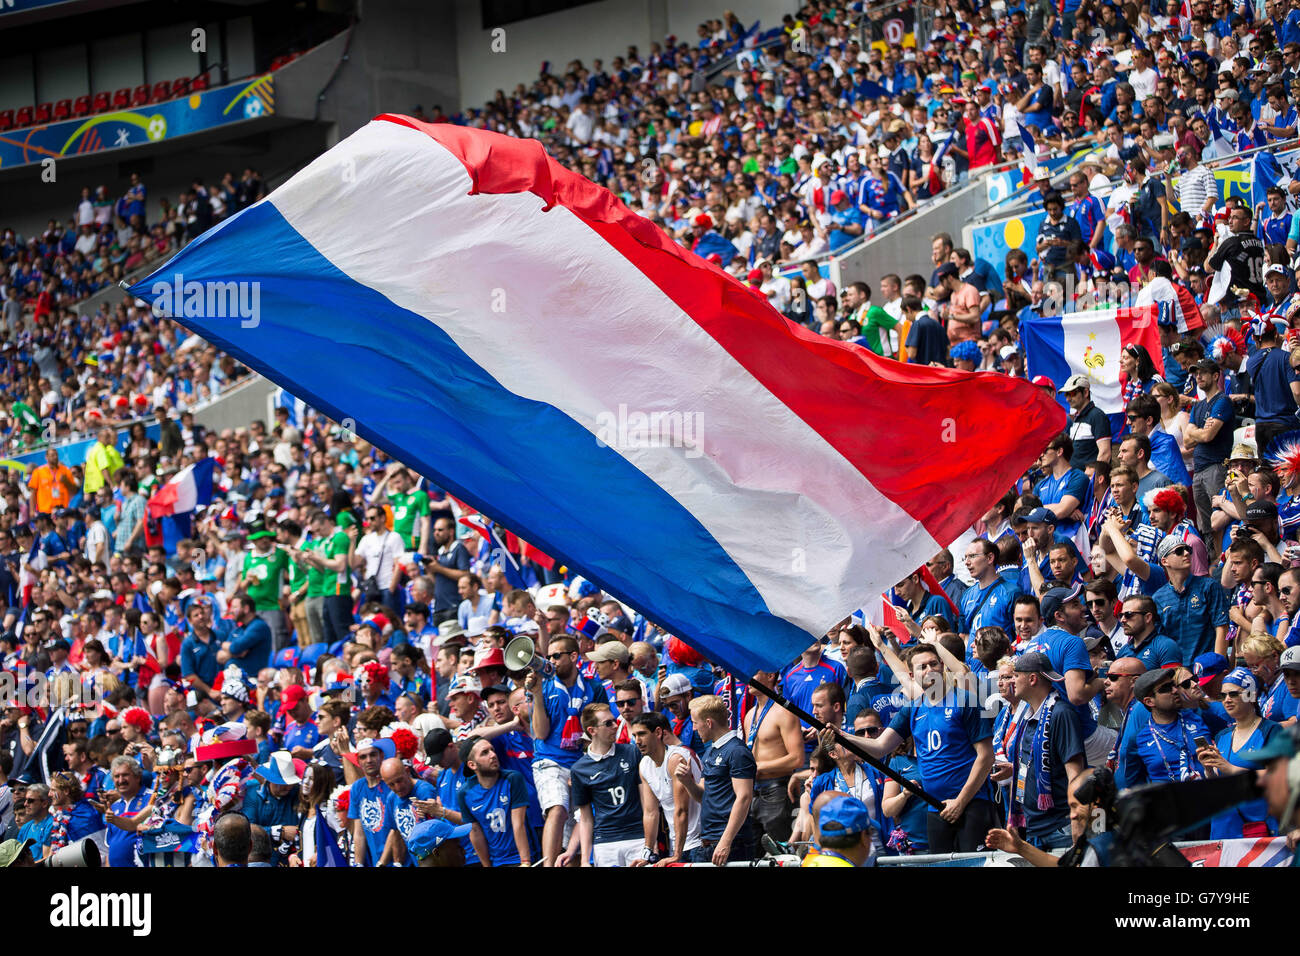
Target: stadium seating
[(180, 86), (143, 95), (81, 106), (201, 82), (44, 113), (122, 98), (162, 90), (103, 103), (24, 117), (6, 120), (63, 109)]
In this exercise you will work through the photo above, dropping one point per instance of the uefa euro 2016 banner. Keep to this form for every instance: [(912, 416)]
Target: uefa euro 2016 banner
[(485, 315), (138, 126)]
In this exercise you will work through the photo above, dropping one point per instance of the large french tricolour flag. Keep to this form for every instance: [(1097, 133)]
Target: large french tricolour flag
[(1089, 344), (531, 345)]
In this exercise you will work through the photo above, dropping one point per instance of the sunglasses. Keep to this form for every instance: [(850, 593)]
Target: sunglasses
[(1097, 601), (1182, 549), (626, 703), (1125, 615), (1187, 684), (1234, 694), (1114, 677), (561, 654), (608, 723)]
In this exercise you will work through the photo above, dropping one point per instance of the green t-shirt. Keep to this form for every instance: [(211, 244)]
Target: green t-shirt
[(337, 582), (316, 577), (408, 508), (875, 328), (264, 577)]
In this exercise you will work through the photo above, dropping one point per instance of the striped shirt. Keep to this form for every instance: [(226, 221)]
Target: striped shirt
[(1194, 186)]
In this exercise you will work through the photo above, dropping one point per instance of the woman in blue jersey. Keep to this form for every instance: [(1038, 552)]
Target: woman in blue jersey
[(1249, 732)]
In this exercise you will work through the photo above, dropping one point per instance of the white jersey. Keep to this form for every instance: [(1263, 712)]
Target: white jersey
[(656, 777)]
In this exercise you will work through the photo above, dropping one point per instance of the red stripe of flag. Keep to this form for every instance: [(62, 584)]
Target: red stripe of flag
[(952, 446)]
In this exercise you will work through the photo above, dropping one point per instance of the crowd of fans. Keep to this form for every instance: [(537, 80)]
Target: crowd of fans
[(63, 374), (319, 671)]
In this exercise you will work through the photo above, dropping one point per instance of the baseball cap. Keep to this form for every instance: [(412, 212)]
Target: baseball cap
[(384, 745), (610, 651), (291, 697), (1290, 659), (1260, 510), (464, 684), (843, 814), (1204, 365), (1276, 268), (1168, 545), (945, 270), (1074, 382), (1054, 599), (427, 835), (1093, 637), (676, 684), (436, 741), (1146, 683), (1042, 381), (838, 197), (1040, 516), (1036, 662), (1209, 666)]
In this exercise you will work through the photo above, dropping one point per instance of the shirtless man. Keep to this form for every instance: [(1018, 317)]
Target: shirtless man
[(776, 739)]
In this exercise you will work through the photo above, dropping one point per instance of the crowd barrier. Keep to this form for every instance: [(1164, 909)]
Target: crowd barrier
[(1263, 852)]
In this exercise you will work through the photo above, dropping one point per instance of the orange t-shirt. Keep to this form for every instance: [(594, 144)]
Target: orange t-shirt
[(51, 492)]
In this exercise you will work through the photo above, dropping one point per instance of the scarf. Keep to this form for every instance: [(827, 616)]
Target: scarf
[(59, 831), (1040, 755), (1188, 767)]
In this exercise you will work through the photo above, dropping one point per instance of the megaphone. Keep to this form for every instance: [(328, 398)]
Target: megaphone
[(83, 853), (521, 655)]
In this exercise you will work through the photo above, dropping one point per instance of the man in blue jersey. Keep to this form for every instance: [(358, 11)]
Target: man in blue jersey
[(445, 753), (249, 646), (495, 803), (987, 602), (1166, 743), (1046, 754), (911, 595), (557, 735), (515, 747), (727, 792), (366, 807), (400, 808), (1141, 622), (606, 796), (800, 680), (1065, 488), (954, 751), (1064, 620), (941, 567)]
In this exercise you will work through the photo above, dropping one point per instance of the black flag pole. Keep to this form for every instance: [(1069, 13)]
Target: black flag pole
[(845, 742)]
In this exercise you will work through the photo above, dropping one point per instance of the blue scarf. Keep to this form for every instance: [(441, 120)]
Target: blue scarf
[(1040, 754)]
